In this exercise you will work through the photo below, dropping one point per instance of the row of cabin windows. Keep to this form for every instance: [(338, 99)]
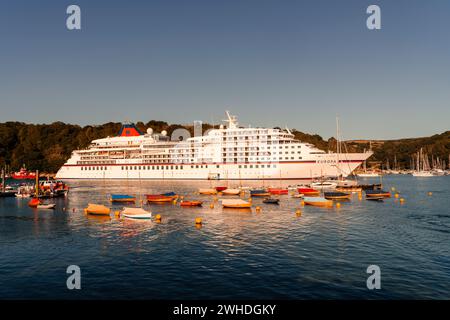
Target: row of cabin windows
[(174, 167)]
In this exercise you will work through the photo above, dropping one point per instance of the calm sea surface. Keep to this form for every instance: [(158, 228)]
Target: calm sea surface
[(324, 253)]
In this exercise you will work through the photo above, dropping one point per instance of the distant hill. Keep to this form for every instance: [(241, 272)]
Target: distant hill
[(47, 146)]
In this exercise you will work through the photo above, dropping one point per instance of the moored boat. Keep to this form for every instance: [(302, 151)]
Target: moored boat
[(231, 192), (259, 193), (337, 195), (122, 198), (349, 189), (159, 199), (378, 193), (23, 174), (235, 203), (191, 203), (278, 191), (209, 191), (271, 201), (220, 189), (323, 185), (135, 213), (308, 191), (46, 206), (318, 202)]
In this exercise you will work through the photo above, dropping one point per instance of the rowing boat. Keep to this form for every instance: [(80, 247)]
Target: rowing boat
[(337, 195), (318, 202), (97, 209), (135, 213), (235, 203)]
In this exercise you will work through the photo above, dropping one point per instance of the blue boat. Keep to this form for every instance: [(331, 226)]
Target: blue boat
[(259, 193), (122, 198)]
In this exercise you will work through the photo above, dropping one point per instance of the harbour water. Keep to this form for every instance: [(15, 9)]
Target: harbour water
[(273, 254)]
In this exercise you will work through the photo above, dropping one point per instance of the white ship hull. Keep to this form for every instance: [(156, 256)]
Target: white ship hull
[(274, 171)]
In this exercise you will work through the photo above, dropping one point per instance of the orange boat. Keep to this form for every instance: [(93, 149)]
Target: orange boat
[(159, 199), (308, 191), (34, 203), (278, 191), (191, 203)]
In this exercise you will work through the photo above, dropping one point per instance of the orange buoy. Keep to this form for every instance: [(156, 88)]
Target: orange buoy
[(430, 193), (211, 205), (258, 209), (396, 195), (298, 212), (338, 205), (158, 218), (198, 221)]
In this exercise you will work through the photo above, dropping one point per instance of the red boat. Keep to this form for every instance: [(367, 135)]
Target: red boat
[(24, 174), (219, 189), (278, 191), (308, 191)]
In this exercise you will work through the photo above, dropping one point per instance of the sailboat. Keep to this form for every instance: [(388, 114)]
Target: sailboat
[(139, 212), (422, 166)]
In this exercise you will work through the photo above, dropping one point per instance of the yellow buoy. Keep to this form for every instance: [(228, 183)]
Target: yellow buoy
[(198, 220), (158, 218), (338, 205), (430, 193), (258, 209), (174, 201), (396, 195), (302, 203), (298, 212), (117, 213), (211, 205), (402, 200)]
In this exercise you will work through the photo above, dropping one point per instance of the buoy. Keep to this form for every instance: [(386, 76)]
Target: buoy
[(338, 205), (396, 195), (430, 193), (302, 203), (402, 200), (298, 212), (117, 213), (158, 218), (258, 209), (198, 221), (174, 201), (211, 205), (393, 188)]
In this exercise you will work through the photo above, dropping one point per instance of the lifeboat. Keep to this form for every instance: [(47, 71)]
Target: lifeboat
[(308, 191)]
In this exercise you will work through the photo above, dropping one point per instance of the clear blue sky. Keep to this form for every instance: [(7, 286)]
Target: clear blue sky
[(273, 63)]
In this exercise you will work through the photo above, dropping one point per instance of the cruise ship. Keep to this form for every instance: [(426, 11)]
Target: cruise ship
[(230, 152)]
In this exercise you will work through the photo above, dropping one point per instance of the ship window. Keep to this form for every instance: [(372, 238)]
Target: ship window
[(196, 166), (240, 166), (126, 168), (256, 166), (81, 168), (139, 167), (245, 166), (217, 166), (122, 167), (251, 166), (135, 167), (262, 166)]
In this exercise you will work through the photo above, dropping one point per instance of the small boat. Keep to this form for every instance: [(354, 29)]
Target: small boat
[(378, 193), (347, 183), (349, 188), (379, 199), (298, 196), (159, 199), (24, 174), (231, 192), (171, 194), (318, 202), (259, 193), (220, 189), (308, 191), (337, 195), (191, 203), (46, 206), (97, 209), (207, 191), (368, 175), (271, 201), (135, 213), (235, 203), (324, 185), (375, 186), (122, 198), (278, 191)]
